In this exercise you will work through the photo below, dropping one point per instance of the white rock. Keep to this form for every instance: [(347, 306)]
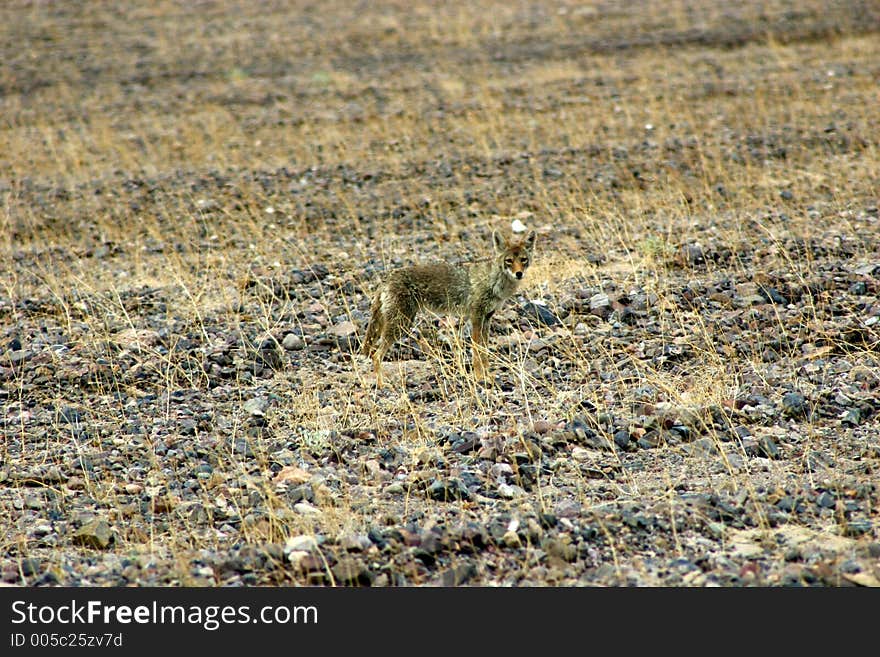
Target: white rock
[(302, 543)]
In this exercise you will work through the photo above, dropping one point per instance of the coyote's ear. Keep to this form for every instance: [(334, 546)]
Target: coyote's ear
[(530, 240), (498, 241)]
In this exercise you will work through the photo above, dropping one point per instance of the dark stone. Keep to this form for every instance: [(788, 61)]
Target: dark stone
[(30, 566), (444, 490), (794, 404), (621, 438), (242, 447), (541, 313), (352, 571), (458, 575), (69, 415), (95, 534), (467, 442), (269, 355), (852, 417), (547, 520), (825, 500), (772, 295), (763, 446), (300, 493), (857, 527)]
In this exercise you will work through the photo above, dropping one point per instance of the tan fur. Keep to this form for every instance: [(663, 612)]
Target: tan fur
[(474, 292)]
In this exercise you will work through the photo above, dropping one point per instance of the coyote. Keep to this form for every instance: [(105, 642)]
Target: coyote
[(473, 292)]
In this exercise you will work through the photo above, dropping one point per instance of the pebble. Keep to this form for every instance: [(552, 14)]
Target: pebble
[(293, 342), (509, 492), (857, 527), (458, 575), (622, 438), (540, 311), (306, 509), (343, 329), (794, 405), (256, 406), (445, 490), (354, 542), (600, 305), (349, 570), (541, 427), (825, 500), (302, 543), (95, 534)]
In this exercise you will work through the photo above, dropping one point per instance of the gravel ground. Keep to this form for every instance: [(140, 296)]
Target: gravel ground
[(685, 392)]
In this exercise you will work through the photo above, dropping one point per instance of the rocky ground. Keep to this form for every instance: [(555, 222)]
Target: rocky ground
[(198, 205)]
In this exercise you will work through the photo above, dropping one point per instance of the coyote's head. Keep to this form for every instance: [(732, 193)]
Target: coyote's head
[(514, 253)]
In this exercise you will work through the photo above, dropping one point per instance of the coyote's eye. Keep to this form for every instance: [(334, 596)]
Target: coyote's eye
[(509, 262), (525, 262)]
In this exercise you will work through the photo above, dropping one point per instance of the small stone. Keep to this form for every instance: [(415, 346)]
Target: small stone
[(306, 509), (293, 342), (541, 426), (857, 527), (302, 543), (795, 405), (509, 492), (600, 305), (539, 310), (511, 539), (354, 542), (343, 329), (352, 571), (444, 490), (825, 500), (256, 406), (70, 415), (396, 488), (30, 566), (95, 534), (458, 575), (622, 438)]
